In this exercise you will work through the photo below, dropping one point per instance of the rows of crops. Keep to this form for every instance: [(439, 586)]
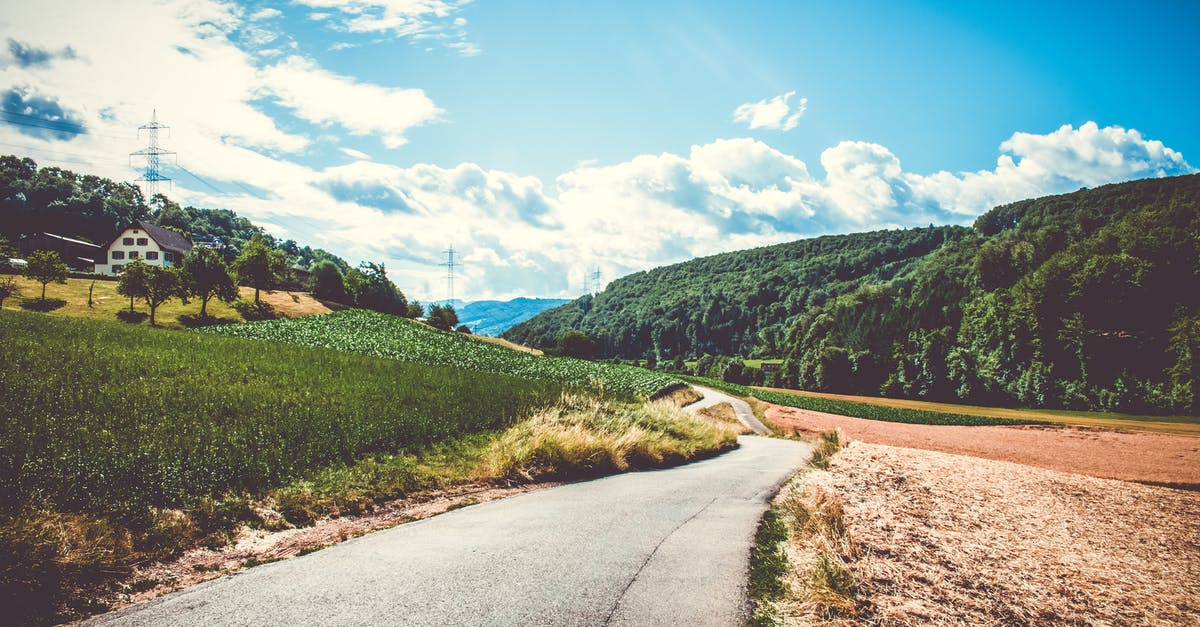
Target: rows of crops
[(860, 410), (381, 335), (107, 418)]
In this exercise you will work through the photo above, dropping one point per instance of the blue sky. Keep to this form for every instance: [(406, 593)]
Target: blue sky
[(544, 139)]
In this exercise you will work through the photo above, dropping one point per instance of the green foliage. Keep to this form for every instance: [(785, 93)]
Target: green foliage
[(206, 276), (8, 288), (392, 337), (45, 266), (259, 266), (162, 284), (370, 288), (576, 344), (132, 282), (442, 317), (327, 282)]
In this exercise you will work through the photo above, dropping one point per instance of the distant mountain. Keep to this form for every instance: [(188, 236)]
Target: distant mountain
[(493, 317)]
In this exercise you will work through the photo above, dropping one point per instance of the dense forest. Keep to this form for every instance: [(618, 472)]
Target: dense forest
[(96, 209), (1087, 300)]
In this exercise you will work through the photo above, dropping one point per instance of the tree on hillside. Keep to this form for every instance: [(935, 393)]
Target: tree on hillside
[(132, 282), (45, 266), (162, 284), (8, 287), (205, 275), (415, 310), (259, 266), (462, 328), (327, 281), (6, 252), (576, 344), (444, 318), (370, 288)]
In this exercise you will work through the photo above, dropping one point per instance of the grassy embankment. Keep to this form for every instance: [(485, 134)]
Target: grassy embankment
[(1164, 424), (71, 300), (861, 409), (124, 444)]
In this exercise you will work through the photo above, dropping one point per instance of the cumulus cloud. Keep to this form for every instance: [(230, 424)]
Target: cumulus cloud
[(774, 113), (323, 97)]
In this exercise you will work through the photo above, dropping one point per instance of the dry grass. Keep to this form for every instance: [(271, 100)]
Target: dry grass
[(723, 414), (1163, 424), (949, 539), (507, 344), (681, 396), (586, 436), (71, 299)]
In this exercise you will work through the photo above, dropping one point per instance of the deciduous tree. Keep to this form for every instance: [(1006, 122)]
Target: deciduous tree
[(259, 266), (46, 266), (205, 275)]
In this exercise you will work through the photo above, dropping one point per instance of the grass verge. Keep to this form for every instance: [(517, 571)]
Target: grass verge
[(859, 409), (798, 568)]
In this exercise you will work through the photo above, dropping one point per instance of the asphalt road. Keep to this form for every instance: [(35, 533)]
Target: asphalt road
[(666, 547), (740, 407)]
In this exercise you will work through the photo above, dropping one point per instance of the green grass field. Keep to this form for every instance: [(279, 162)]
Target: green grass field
[(862, 410), (71, 300), (381, 335)]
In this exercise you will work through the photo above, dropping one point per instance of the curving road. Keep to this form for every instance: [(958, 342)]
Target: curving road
[(666, 547), (740, 407)]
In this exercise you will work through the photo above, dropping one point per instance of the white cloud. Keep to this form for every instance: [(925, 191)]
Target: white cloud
[(323, 97), (417, 19), (357, 154), (265, 14), (774, 113)]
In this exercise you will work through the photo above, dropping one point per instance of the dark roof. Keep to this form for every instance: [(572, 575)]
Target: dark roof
[(166, 238)]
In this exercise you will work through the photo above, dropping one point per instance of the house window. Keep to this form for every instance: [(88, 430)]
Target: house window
[(133, 254), (117, 268), (142, 241), (169, 256), (118, 254), (151, 255), (128, 241)]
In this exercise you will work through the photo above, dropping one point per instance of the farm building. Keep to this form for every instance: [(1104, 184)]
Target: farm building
[(143, 240), (77, 254)]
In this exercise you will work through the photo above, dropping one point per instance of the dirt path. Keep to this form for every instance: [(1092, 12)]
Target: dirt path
[(1163, 459)]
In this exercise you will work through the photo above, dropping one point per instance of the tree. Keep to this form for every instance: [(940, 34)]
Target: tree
[(45, 266), (576, 344), (132, 282), (205, 275), (8, 287), (259, 266), (462, 328), (415, 310), (651, 359), (162, 284), (6, 253), (444, 318), (372, 289), (327, 281)]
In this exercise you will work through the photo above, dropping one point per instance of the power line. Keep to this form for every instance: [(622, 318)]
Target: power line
[(450, 265), (152, 175)]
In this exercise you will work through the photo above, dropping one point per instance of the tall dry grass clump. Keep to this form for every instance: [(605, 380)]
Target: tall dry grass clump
[(588, 435)]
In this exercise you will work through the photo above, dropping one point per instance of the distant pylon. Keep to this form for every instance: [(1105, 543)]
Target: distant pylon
[(151, 175), (596, 281), (450, 265)]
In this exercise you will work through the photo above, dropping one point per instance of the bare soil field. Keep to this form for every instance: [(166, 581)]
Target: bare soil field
[(1154, 458), (949, 539)]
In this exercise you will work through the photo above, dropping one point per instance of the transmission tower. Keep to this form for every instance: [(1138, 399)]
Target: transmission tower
[(151, 175), (596, 281), (450, 265)]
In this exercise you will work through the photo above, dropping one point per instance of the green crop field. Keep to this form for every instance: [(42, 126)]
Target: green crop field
[(861, 410), (381, 335), (103, 417)]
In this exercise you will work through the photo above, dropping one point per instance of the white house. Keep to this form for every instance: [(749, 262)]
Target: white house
[(151, 243)]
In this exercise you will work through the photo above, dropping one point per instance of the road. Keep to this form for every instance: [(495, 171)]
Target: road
[(740, 407), (665, 547)]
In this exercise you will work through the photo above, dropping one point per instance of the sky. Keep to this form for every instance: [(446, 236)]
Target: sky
[(545, 140)]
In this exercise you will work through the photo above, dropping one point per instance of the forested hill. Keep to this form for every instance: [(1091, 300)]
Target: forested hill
[(95, 209), (1086, 300), (738, 303)]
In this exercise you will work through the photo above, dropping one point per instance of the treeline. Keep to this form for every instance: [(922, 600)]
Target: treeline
[(1089, 300), (95, 209)]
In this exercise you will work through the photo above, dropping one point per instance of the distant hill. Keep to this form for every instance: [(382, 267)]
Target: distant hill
[(493, 317), (1088, 300)]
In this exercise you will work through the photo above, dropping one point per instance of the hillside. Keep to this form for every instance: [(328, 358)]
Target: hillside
[(493, 317), (738, 303), (1088, 300)]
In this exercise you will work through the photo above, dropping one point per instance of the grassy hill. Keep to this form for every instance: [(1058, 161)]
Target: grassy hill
[(381, 335), (1088, 300)]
